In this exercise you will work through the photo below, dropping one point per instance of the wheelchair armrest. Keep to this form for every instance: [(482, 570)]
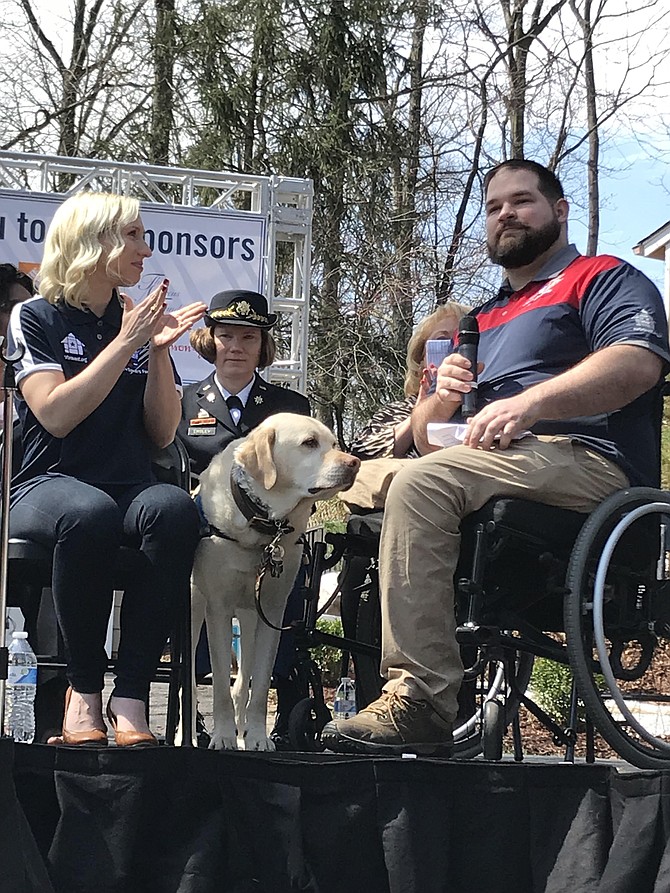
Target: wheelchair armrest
[(368, 526), (28, 564)]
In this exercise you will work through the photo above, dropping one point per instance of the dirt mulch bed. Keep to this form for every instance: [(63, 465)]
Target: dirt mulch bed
[(538, 741)]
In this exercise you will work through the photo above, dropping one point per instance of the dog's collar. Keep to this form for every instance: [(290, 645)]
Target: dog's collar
[(255, 511)]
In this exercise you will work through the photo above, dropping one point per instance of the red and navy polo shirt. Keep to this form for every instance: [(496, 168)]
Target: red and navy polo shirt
[(111, 446), (574, 306)]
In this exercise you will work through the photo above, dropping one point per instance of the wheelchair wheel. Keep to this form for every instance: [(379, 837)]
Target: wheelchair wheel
[(617, 623), (493, 730), (492, 684), (305, 724)]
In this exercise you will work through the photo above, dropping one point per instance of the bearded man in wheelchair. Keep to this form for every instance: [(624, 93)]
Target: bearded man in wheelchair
[(572, 355)]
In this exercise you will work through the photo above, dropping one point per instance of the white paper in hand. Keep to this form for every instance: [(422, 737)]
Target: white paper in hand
[(446, 434)]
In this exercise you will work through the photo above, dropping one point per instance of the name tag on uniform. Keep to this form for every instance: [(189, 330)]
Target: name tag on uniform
[(202, 427)]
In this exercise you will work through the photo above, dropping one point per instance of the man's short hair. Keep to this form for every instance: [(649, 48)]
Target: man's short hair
[(548, 183)]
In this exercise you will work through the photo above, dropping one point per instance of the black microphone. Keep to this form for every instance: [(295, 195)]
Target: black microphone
[(468, 342)]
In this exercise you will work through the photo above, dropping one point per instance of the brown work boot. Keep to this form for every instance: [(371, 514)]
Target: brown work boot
[(391, 725)]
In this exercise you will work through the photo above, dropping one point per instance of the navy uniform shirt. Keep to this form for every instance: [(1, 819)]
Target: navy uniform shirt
[(207, 428), (574, 306), (111, 445)]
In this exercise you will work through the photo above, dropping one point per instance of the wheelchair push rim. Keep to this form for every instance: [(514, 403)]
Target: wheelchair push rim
[(618, 632)]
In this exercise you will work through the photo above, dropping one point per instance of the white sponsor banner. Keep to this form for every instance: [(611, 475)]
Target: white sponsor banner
[(201, 252)]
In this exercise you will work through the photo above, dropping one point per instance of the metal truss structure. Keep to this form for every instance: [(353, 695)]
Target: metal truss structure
[(285, 202)]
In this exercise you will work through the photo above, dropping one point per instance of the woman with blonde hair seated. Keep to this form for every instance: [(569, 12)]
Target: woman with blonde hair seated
[(99, 392), (389, 432)]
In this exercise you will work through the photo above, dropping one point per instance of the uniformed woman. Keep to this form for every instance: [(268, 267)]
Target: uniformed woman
[(230, 402), (98, 391), (234, 398)]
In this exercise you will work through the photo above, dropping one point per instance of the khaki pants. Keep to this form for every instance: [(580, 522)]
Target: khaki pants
[(425, 500)]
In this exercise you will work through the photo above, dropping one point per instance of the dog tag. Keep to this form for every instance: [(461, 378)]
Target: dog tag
[(275, 559)]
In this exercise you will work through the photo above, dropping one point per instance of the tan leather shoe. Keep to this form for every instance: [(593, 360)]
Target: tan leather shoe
[(129, 738), (95, 737)]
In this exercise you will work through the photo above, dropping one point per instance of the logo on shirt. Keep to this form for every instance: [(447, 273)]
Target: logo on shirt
[(73, 349), (139, 362), (546, 289), (643, 322)]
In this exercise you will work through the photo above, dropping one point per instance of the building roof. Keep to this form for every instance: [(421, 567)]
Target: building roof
[(654, 245)]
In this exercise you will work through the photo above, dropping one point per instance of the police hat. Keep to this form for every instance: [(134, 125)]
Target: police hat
[(239, 308)]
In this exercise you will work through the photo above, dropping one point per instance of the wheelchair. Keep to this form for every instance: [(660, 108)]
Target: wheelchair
[(591, 592)]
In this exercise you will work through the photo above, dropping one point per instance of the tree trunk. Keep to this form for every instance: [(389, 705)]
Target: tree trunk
[(518, 44), (406, 240), (162, 99), (592, 165)]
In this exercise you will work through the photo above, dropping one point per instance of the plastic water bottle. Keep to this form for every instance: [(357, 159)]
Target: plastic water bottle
[(344, 703), (236, 639), (21, 689)]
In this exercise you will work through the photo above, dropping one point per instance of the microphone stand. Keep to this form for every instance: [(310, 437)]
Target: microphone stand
[(9, 384)]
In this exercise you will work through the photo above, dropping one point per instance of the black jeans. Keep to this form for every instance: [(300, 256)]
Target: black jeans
[(85, 526)]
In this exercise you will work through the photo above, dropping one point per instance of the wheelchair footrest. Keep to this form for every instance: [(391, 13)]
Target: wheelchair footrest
[(476, 634)]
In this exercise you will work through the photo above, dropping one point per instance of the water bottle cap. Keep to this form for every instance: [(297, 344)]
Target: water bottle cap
[(346, 679), (20, 634)]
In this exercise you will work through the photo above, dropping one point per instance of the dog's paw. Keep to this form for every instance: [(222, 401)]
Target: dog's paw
[(257, 742), (223, 740)]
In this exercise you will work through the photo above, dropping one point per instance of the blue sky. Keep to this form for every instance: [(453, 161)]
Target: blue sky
[(635, 201)]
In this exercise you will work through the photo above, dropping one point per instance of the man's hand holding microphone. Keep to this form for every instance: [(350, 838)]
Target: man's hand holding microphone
[(457, 374), (498, 422)]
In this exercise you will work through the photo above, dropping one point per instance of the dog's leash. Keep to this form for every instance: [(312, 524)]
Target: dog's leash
[(273, 561)]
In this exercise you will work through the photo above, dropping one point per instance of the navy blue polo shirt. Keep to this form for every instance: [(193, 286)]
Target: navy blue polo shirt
[(574, 306), (111, 445)]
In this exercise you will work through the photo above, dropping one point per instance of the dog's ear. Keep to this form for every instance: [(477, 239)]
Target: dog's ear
[(255, 456)]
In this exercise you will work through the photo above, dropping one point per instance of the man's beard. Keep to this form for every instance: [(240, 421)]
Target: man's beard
[(528, 245)]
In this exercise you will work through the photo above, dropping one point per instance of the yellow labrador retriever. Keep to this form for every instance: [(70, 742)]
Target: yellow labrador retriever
[(259, 484)]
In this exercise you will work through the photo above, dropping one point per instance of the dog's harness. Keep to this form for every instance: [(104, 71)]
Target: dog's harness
[(257, 513), (207, 529)]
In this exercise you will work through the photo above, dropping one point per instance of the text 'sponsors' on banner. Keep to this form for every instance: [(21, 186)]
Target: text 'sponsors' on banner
[(199, 251)]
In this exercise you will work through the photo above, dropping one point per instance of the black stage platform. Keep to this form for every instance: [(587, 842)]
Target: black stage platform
[(171, 820)]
